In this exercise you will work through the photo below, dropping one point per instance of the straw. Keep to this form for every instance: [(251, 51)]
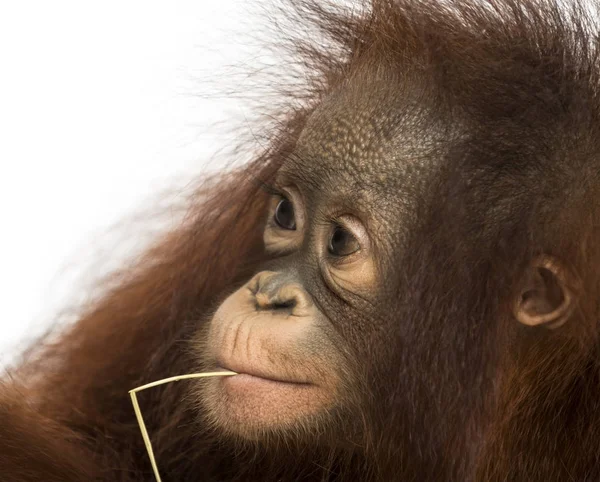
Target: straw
[(140, 418)]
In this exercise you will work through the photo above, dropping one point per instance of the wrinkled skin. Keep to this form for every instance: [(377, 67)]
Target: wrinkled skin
[(294, 329), (414, 297)]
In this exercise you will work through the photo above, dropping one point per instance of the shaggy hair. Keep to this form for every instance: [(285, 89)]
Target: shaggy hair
[(516, 83)]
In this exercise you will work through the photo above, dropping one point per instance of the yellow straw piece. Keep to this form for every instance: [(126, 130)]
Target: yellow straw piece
[(138, 412)]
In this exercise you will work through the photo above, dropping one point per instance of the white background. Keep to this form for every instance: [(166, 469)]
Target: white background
[(100, 107)]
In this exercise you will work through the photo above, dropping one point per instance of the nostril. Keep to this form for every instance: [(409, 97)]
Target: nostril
[(276, 293), (284, 305), (265, 302)]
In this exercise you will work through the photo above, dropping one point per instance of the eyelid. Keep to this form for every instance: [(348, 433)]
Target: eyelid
[(354, 227), (280, 189), (291, 195)]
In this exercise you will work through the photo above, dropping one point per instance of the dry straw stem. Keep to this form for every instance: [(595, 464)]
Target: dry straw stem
[(138, 412)]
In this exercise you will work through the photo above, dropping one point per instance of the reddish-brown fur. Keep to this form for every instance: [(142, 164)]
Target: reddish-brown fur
[(493, 401)]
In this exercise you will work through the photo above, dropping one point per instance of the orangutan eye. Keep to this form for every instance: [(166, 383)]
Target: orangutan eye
[(342, 242), (284, 215)]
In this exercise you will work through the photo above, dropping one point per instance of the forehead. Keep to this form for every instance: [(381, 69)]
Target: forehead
[(365, 142)]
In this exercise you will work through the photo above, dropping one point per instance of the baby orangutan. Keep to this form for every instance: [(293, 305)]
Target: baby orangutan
[(406, 279)]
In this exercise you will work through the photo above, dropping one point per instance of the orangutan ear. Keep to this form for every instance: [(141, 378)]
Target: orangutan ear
[(544, 297)]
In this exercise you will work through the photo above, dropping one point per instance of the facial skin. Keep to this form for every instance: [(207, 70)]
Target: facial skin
[(341, 206), (294, 330)]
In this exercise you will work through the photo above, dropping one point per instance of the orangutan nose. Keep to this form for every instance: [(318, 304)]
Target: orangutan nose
[(278, 291)]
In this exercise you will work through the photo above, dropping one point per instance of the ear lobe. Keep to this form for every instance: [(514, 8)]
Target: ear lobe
[(544, 297)]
